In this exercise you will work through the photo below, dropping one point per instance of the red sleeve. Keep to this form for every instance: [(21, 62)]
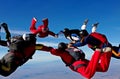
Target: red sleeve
[(55, 52), (52, 33), (51, 50)]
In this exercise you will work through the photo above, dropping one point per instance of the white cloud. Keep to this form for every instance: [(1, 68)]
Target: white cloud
[(15, 31), (48, 43), (18, 32)]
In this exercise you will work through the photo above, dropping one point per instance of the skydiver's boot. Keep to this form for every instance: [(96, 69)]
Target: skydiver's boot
[(34, 20), (85, 22), (96, 24)]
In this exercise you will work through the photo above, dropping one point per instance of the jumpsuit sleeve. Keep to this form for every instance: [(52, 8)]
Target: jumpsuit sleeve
[(78, 44), (48, 49), (52, 33), (116, 53), (42, 47), (56, 52)]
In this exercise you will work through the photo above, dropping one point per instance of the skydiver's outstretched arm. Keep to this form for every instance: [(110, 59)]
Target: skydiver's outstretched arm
[(116, 53)]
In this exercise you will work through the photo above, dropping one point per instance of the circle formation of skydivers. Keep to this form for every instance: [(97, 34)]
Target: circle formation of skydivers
[(23, 47)]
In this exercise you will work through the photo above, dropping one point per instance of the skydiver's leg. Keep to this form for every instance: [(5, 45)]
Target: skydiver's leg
[(7, 65), (83, 27), (104, 61), (8, 35), (94, 27), (32, 27)]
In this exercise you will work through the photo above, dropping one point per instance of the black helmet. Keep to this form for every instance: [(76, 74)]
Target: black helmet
[(62, 46), (66, 30), (29, 37), (83, 33)]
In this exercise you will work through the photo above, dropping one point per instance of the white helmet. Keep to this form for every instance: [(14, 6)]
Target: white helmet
[(25, 36)]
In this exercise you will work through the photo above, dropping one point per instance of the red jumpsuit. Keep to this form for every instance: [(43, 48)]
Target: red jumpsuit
[(42, 30), (85, 67)]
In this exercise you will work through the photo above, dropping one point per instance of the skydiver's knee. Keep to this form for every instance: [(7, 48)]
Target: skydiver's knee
[(105, 69)]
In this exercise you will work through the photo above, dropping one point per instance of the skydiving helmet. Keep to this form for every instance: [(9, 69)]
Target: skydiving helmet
[(62, 46), (25, 36), (66, 31), (29, 37)]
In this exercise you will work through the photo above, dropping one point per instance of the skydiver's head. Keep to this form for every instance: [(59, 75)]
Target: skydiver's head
[(25, 36), (44, 29), (66, 32), (29, 37), (62, 46)]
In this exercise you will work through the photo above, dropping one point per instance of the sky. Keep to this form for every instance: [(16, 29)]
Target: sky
[(61, 14)]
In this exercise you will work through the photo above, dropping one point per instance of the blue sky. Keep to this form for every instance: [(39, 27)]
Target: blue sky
[(62, 13)]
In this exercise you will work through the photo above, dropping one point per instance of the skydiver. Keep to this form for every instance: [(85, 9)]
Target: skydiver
[(21, 49), (42, 30), (115, 49), (93, 40), (74, 58), (73, 34)]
